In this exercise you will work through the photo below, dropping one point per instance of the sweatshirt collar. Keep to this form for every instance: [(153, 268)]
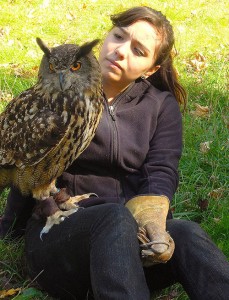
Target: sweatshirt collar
[(138, 88), (135, 89)]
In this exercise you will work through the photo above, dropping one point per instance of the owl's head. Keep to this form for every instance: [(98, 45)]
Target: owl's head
[(68, 67)]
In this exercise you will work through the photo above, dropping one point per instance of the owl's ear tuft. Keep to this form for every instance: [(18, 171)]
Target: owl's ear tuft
[(86, 48), (43, 47)]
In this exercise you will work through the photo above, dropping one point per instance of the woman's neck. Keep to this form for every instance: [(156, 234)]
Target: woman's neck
[(111, 91)]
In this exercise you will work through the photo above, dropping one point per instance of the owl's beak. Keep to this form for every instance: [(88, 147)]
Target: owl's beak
[(61, 80)]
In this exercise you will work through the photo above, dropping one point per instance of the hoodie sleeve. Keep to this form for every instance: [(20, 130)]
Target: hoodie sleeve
[(159, 173)]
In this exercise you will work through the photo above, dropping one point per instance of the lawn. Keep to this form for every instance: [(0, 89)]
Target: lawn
[(201, 30)]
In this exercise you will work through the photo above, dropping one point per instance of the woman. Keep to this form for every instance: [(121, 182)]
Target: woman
[(131, 165)]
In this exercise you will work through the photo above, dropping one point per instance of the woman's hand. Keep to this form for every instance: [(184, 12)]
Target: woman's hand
[(157, 246), (150, 212)]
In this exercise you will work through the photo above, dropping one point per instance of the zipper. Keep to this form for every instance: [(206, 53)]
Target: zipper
[(112, 123), (111, 112), (111, 120), (114, 133)]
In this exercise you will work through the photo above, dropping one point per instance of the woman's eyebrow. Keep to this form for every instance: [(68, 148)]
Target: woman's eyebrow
[(125, 31)]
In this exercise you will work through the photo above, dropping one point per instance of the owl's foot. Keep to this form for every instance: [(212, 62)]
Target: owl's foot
[(57, 208), (64, 201), (56, 219), (49, 210), (72, 202)]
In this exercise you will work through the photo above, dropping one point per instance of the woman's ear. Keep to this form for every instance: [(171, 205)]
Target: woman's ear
[(152, 71)]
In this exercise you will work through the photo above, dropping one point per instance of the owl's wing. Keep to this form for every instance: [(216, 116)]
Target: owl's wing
[(28, 131)]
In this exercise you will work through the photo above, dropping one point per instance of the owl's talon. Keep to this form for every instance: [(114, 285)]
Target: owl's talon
[(71, 203), (41, 233), (93, 194), (56, 218)]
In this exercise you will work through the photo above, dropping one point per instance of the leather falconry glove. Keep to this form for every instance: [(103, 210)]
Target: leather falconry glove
[(150, 212)]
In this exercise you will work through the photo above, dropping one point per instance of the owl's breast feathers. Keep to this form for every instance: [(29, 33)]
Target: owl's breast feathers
[(41, 135)]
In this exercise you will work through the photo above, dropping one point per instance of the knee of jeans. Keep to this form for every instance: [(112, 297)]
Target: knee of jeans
[(122, 215), (119, 216), (184, 231)]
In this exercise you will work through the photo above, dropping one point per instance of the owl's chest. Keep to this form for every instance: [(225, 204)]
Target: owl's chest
[(83, 126), (84, 120)]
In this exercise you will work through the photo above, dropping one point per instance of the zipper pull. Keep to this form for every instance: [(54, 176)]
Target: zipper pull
[(111, 112)]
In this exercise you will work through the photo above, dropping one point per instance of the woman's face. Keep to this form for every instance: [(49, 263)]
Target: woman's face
[(129, 52)]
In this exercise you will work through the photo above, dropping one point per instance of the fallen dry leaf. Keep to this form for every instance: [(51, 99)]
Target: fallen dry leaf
[(198, 62), (205, 146), (213, 178), (216, 220), (17, 70), (203, 204), (200, 111), (11, 292), (5, 96), (216, 193), (4, 31), (70, 16)]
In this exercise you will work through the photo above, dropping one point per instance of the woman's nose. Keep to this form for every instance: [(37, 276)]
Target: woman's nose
[(121, 51)]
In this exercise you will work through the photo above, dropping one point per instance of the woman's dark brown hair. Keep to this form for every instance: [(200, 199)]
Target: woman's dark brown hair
[(165, 79)]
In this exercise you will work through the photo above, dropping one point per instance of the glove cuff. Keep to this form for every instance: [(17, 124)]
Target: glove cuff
[(149, 209)]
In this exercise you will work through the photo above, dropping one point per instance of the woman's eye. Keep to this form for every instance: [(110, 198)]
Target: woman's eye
[(117, 36), (139, 52), (76, 66)]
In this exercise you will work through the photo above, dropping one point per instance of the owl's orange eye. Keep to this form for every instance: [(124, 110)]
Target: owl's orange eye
[(76, 66), (51, 67)]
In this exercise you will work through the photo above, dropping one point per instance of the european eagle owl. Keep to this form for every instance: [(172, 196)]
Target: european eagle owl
[(45, 128)]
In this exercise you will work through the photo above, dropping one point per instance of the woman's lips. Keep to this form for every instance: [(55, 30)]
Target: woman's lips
[(114, 64)]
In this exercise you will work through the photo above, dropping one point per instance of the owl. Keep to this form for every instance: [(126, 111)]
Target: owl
[(45, 128)]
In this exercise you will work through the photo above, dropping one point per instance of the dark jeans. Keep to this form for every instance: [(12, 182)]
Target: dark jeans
[(96, 248)]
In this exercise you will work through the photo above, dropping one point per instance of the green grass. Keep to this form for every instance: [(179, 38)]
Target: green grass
[(200, 26)]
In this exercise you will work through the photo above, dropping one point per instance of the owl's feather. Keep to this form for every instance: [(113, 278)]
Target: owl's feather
[(29, 134)]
